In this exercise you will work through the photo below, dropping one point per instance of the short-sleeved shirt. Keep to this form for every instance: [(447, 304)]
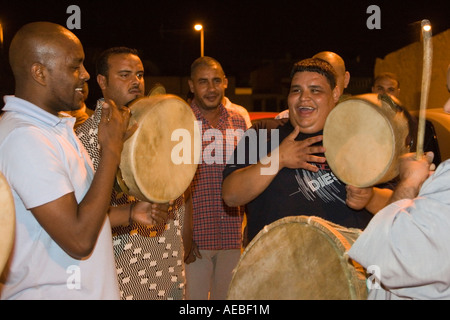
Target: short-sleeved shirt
[(292, 192), (43, 160), (216, 226)]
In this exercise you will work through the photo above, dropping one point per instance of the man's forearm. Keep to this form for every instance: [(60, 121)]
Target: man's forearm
[(404, 190)]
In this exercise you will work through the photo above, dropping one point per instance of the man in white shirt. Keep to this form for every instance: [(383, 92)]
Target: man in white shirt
[(63, 238), (405, 246)]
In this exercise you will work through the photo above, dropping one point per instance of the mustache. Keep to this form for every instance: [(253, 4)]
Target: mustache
[(134, 87)]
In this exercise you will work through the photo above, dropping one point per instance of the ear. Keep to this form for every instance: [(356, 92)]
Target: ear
[(38, 72), (225, 83), (191, 85), (336, 94), (102, 81), (346, 79)]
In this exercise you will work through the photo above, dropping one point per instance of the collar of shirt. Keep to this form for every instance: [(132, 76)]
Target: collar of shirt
[(199, 115), (63, 123), (98, 110), (32, 111)]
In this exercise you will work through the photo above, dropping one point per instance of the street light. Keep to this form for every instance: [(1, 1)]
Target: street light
[(199, 27), (1, 36)]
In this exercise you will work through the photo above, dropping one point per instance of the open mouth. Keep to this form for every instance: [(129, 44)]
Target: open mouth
[(211, 98), (80, 90), (305, 110)]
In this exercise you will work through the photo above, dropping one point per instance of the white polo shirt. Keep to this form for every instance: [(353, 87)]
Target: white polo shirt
[(42, 160)]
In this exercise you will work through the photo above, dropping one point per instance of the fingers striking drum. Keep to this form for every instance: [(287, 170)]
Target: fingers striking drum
[(364, 137), (7, 221), (150, 167), (299, 258)]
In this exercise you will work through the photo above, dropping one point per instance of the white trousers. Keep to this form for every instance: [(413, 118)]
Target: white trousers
[(210, 276)]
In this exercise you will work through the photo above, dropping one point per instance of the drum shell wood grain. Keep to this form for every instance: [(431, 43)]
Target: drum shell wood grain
[(146, 166), (364, 136), (299, 258)]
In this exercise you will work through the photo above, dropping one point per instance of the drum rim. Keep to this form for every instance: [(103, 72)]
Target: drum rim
[(377, 109), (134, 187), (325, 229), (8, 241)]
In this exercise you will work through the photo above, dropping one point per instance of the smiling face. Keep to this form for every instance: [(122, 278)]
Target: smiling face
[(124, 81), (208, 84), (66, 77), (47, 63), (310, 101)]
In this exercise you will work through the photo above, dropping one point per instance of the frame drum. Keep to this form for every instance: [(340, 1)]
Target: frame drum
[(160, 159), (363, 138), (7, 221), (299, 258)]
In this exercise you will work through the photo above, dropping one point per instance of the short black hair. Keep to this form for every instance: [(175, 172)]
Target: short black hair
[(316, 65), (102, 66)]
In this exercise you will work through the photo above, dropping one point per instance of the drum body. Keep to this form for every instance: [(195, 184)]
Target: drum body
[(150, 167), (7, 221), (301, 258), (363, 137)]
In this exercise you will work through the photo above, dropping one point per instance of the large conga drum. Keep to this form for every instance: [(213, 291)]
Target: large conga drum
[(299, 258), (363, 138), (7, 221), (159, 160)]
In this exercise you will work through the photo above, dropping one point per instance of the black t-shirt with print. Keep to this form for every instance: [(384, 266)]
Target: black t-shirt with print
[(293, 192)]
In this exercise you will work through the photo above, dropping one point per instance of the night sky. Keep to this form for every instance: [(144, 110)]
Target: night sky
[(242, 35)]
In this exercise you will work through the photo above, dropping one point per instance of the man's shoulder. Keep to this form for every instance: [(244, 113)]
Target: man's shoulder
[(89, 127), (16, 126), (270, 123), (237, 110)]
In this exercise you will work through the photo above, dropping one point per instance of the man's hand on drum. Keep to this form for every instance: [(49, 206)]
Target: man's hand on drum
[(299, 154), (113, 127), (150, 214)]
